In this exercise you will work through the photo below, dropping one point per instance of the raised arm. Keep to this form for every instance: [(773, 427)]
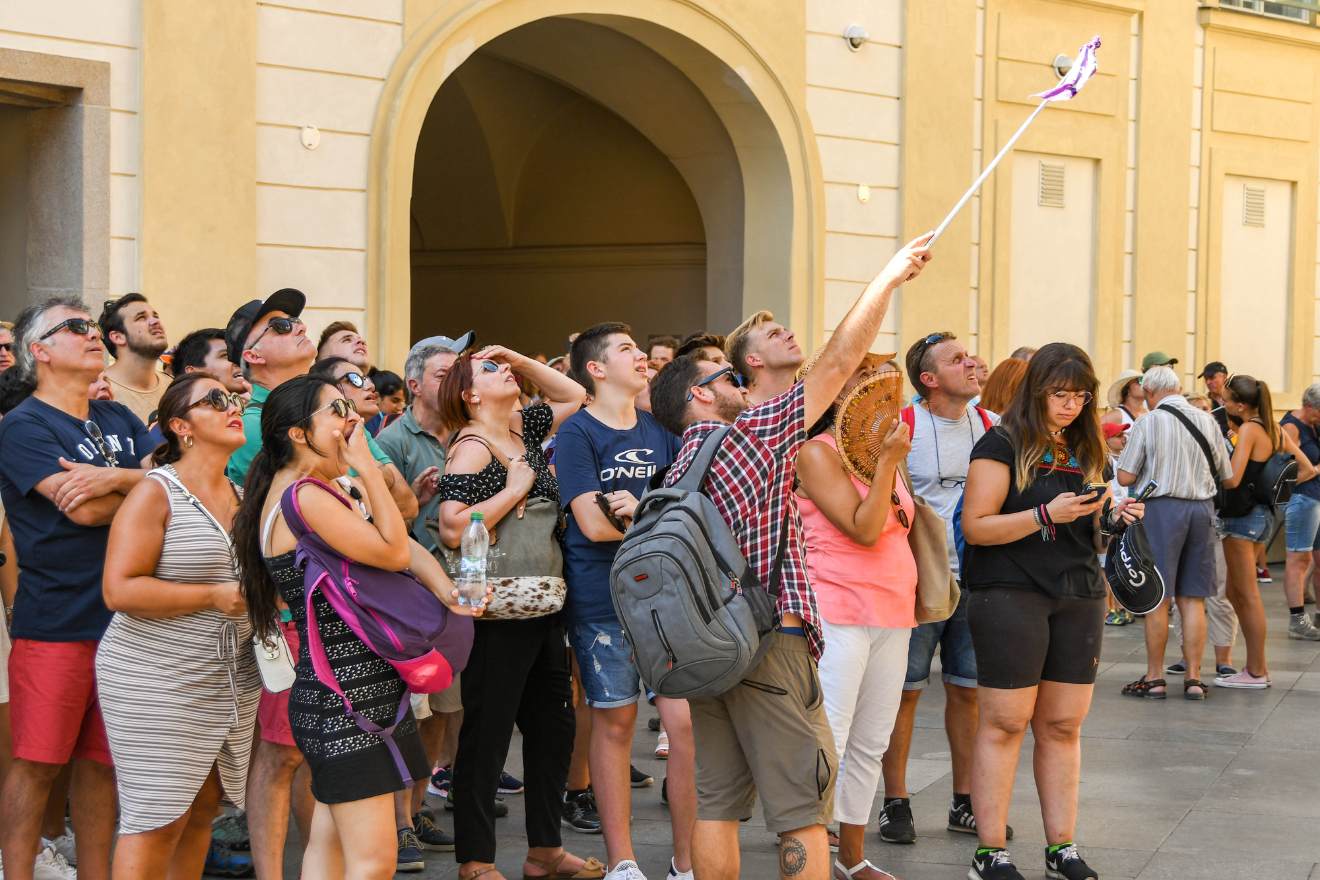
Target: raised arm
[(857, 331), (564, 395)]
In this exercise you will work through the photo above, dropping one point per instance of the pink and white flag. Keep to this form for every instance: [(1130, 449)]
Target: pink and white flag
[(1083, 68)]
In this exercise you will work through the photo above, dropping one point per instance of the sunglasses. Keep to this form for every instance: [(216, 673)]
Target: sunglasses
[(898, 509), (341, 406), (715, 376), (94, 431), (488, 366), (356, 379), (6, 346), (281, 326), (220, 401), (76, 326)]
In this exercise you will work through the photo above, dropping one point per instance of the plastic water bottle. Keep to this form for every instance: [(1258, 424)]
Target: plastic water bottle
[(472, 564)]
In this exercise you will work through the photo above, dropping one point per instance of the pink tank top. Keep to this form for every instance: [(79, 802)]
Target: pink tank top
[(857, 585)]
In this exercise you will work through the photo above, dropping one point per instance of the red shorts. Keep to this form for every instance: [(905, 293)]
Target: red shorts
[(273, 710), (54, 713)]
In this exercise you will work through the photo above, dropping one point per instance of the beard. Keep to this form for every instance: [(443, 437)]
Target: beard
[(149, 348), (730, 407)]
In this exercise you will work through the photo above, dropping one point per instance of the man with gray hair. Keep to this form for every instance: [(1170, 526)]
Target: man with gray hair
[(1178, 447), (69, 462), (1302, 523)]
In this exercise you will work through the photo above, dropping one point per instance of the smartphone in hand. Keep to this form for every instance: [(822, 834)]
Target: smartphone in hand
[(603, 503), (1095, 490)]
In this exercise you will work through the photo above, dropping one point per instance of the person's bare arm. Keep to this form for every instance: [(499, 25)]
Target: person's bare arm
[(829, 487), (1305, 469), (470, 458), (401, 492), (853, 337), (563, 394), (8, 571), (432, 575), (591, 519), (1248, 435), (987, 489), (89, 495), (129, 583)]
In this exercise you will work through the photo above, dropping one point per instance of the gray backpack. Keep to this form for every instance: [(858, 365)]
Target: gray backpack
[(694, 612)]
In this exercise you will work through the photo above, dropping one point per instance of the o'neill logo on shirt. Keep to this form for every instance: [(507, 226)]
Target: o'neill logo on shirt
[(631, 464)]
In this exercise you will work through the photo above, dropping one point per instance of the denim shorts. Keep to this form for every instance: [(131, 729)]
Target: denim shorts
[(609, 676), (1256, 525), (1302, 523), (957, 656)]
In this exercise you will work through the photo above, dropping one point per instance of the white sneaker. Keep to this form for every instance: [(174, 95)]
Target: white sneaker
[(674, 873), (50, 865), (1301, 627), (66, 846), (625, 870)]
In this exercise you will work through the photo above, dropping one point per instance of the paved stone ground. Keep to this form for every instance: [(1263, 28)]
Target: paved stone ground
[(1227, 788)]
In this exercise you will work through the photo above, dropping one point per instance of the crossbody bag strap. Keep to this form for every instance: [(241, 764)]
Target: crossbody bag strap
[(1198, 437)]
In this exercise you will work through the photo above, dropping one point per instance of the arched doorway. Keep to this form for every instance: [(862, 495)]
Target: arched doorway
[(690, 106)]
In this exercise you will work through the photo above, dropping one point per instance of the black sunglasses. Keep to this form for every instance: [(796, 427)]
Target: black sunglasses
[(281, 326), (76, 326), (898, 509), (723, 371), (94, 431), (6, 346), (220, 401), (356, 379), (341, 406)]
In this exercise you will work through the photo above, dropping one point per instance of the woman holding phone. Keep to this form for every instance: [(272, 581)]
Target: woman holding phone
[(1032, 519)]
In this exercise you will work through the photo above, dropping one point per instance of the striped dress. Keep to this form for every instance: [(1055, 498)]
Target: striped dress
[(179, 694)]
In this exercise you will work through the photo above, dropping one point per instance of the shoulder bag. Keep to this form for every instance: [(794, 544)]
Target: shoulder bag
[(937, 589)]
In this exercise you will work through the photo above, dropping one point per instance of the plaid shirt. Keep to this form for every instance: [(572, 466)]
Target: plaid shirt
[(751, 484)]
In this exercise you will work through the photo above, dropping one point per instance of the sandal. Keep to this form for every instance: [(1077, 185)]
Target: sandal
[(476, 873), (1143, 688), (591, 869), (842, 873), (1190, 683)]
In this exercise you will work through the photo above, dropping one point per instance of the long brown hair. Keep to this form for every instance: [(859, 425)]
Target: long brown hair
[(1056, 367), (1255, 393), (1003, 384)]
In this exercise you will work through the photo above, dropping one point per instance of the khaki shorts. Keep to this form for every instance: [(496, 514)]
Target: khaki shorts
[(446, 701), (769, 734)]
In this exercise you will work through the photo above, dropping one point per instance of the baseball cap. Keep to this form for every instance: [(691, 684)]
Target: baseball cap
[(1113, 429), (1157, 359), (1212, 368), (457, 346), (285, 300)]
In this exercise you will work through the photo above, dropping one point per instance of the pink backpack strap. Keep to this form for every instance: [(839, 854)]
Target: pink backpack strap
[(909, 417)]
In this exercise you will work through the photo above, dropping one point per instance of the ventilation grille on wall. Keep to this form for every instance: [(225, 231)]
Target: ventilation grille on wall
[(1253, 205), (1050, 192)]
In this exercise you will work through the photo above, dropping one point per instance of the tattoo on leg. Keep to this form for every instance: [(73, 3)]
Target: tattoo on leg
[(792, 856)]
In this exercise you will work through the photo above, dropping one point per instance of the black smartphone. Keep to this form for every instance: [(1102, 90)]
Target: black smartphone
[(604, 506), (1096, 490), (1147, 491)]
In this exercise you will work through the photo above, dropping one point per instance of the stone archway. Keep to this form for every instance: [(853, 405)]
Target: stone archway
[(759, 196)]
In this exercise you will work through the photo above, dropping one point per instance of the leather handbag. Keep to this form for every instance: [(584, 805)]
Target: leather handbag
[(274, 662), (937, 589)]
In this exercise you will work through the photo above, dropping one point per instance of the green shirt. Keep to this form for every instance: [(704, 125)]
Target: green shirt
[(414, 449), (241, 460)]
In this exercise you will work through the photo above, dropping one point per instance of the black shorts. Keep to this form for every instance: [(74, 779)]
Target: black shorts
[(1024, 636)]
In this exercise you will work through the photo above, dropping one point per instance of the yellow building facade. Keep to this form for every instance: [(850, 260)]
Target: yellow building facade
[(527, 167)]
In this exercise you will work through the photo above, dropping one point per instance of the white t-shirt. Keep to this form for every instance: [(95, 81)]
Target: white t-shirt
[(941, 452)]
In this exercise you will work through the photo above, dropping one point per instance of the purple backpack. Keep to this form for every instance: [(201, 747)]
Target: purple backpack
[(394, 615)]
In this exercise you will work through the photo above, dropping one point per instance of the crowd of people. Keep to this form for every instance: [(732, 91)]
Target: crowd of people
[(180, 681)]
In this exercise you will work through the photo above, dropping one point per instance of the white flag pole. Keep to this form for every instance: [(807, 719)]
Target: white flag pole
[(989, 169)]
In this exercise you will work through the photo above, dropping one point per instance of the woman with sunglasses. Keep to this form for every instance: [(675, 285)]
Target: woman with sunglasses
[(518, 670), (1032, 522), (309, 429), (180, 739), (865, 579), (352, 382)]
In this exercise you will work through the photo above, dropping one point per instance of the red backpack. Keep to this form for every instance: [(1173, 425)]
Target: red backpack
[(909, 417)]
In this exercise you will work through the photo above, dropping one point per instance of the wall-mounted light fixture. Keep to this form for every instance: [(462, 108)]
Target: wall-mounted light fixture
[(855, 36), (1062, 64)]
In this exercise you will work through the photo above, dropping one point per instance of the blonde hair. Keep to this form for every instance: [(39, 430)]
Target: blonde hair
[(736, 343)]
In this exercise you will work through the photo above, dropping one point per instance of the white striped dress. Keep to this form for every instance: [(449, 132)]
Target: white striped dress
[(179, 694)]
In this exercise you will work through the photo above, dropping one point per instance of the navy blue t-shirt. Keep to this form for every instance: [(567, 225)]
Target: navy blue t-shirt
[(60, 562), (590, 456)]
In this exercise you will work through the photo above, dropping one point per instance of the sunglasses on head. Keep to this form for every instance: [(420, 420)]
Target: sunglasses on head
[(281, 326), (220, 401), (715, 376), (76, 326), (340, 406)]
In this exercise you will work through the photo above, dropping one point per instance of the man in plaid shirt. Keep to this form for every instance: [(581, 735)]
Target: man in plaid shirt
[(769, 733)]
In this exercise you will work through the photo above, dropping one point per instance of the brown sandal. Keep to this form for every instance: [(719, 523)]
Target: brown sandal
[(1144, 688), (1195, 683), (476, 873), (591, 869)]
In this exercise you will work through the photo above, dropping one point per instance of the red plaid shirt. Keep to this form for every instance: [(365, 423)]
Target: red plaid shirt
[(751, 484)]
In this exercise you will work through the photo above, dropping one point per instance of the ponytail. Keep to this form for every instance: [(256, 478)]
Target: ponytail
[(1255, 393)]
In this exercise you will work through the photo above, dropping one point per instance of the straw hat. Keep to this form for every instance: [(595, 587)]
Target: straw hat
[(1114, 397), (864, 420)]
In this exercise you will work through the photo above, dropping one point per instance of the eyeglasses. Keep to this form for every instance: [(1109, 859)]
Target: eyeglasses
[(898, 509), (220, 401), (715, 376), (341, 406), (356, 379), (76, 326), (281, 326), (94, 431), (1069, 398)]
